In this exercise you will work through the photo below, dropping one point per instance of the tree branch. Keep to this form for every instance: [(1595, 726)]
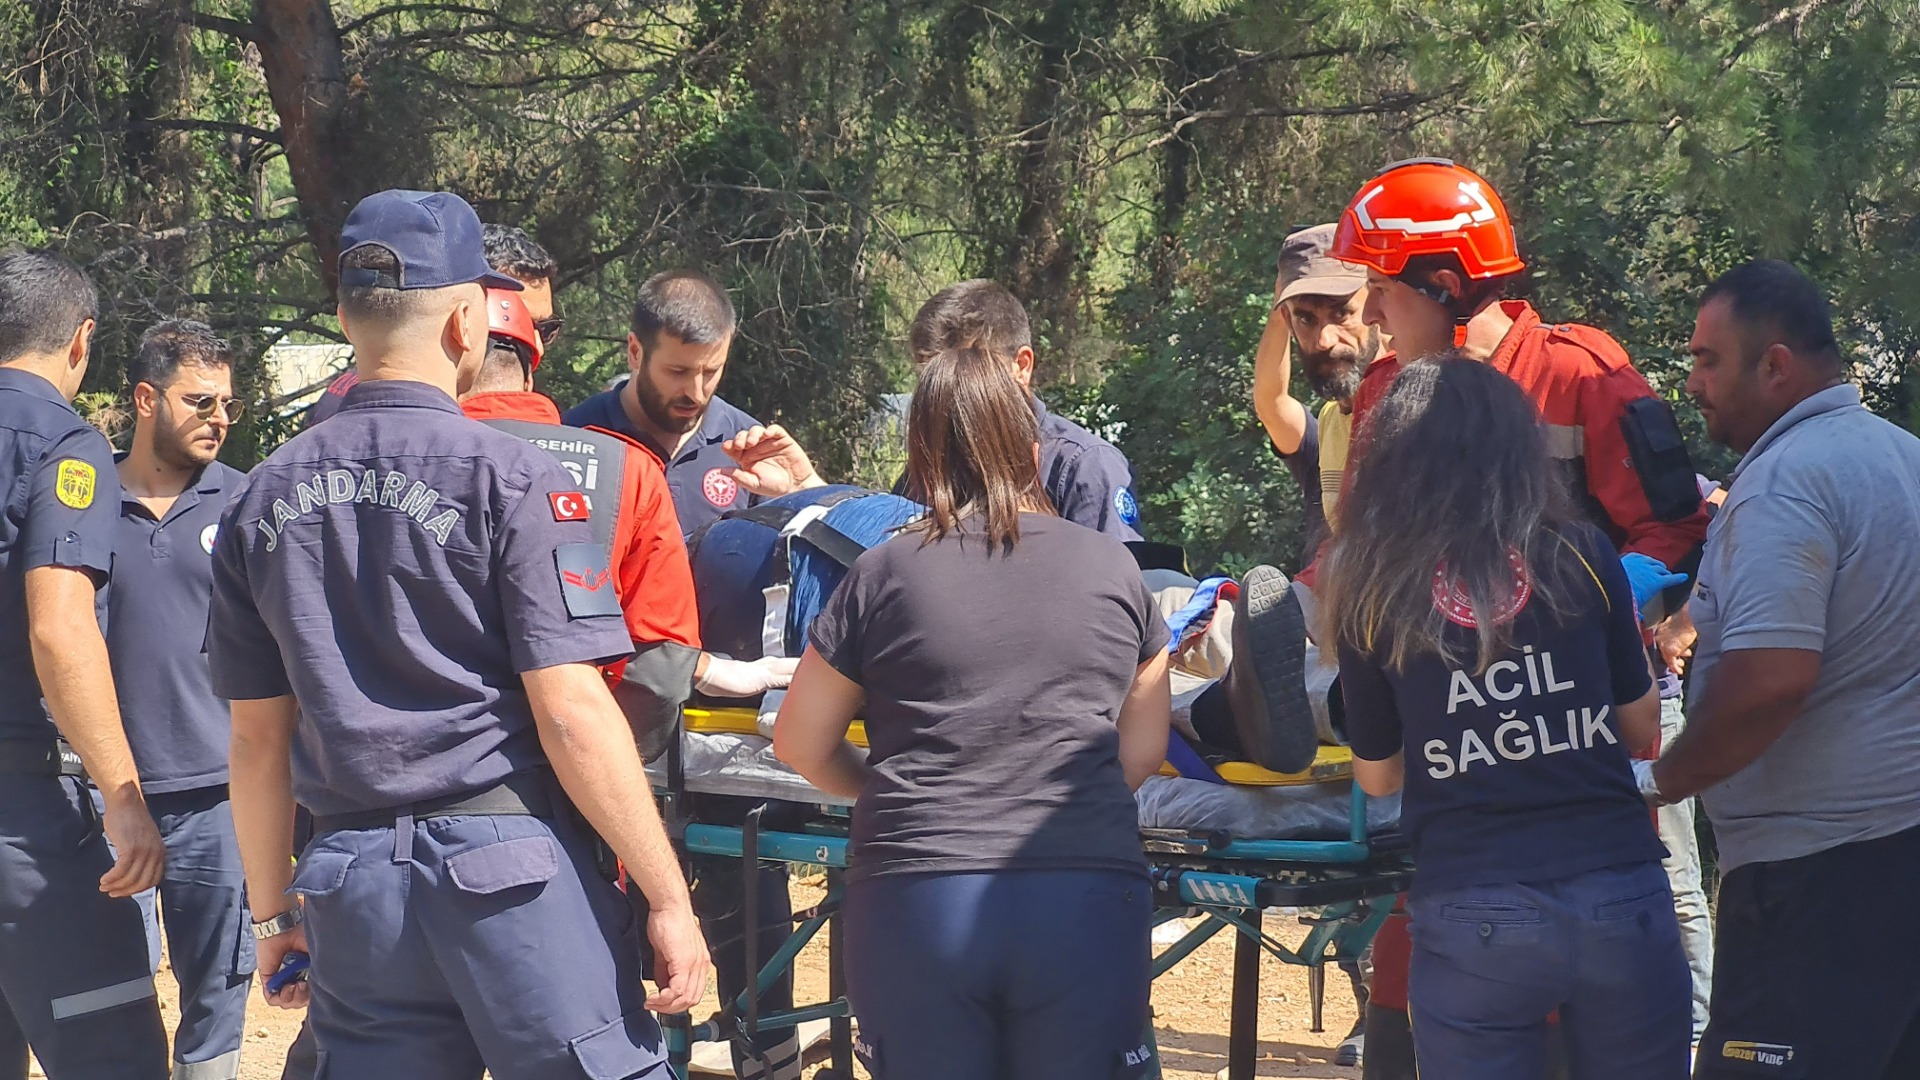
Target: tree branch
[(402, 9), (181, 232), (221, 127), (218, 24), (1795, 15), (1391, 104), (1283, 56)]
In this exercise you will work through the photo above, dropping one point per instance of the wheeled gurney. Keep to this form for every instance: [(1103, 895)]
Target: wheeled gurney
[(1331, 853)]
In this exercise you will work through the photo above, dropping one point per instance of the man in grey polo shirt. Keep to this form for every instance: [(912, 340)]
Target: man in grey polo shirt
[(1804, 720)]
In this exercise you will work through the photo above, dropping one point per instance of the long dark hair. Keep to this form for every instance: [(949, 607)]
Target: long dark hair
[(1454, 481), (971, 433)]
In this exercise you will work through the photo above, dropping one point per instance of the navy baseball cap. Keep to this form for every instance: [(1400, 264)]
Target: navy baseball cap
[(435, 236)]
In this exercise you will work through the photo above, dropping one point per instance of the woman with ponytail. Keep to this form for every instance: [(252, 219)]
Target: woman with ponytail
[(1011, 668)]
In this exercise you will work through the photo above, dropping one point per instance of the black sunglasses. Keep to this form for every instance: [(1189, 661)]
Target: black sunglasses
[(549, 330)]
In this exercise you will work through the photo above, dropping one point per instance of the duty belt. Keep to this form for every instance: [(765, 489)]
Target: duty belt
[(40, 757), (524, 794)]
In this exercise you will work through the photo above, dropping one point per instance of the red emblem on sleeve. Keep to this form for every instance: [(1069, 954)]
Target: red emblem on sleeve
[(590, 580), (569, 506), (720, 488)]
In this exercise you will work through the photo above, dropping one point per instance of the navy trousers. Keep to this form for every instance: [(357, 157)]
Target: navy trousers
[(452, 945), (75, 978), (1009, 975), (1490, 963), (202, 906)]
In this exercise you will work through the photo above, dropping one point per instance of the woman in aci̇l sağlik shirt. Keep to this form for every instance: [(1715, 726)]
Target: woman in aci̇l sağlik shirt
[(1491, 661)]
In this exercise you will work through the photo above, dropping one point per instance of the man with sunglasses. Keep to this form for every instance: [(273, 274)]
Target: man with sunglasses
[(510, 251), (173, 493)]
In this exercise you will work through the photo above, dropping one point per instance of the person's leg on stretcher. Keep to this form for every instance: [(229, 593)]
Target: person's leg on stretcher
[(1255, 687)]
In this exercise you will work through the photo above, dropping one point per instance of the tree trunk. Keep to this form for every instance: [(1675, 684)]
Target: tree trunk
[(163, 161), (1042, 254), (301, 52)]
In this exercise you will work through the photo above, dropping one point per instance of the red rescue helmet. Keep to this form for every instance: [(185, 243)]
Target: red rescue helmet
[(508, 319), (1428, 206)]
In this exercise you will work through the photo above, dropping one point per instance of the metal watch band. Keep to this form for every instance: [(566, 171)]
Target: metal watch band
[(279, 924)]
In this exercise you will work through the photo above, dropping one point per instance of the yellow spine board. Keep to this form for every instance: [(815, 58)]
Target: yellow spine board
[(1331, 763)]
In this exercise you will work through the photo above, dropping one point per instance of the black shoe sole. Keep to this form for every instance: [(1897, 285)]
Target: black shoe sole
[(1275, 652)]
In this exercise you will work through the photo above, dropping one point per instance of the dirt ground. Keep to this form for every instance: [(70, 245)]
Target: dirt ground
[(1190, 1013)]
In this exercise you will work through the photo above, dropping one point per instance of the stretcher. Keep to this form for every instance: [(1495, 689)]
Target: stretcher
[(1340, 875)]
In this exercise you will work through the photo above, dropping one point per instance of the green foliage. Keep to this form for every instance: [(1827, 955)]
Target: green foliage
[(1178, 398), (1127, 167)]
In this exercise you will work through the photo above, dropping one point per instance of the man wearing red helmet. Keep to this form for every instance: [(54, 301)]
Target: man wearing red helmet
[(1439, 251)]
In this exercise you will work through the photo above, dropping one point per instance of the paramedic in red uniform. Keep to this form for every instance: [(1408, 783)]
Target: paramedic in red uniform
[(635, 509), (651, 574), (1439, 251)]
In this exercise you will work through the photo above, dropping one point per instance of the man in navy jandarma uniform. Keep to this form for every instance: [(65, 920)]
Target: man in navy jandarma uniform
[(405, 622), (75, 978), (172, 495)]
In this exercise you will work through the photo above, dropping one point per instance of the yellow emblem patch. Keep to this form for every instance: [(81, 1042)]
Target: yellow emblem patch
[(73, 483)]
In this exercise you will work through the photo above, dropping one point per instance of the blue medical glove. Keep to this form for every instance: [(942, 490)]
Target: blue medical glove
[(1648, 577)]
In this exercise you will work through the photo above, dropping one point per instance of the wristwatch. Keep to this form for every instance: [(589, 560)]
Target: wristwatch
[(279, 924)]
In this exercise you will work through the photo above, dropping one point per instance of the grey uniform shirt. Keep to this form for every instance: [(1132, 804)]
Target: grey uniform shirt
[(1087, 477), (1818, 548)]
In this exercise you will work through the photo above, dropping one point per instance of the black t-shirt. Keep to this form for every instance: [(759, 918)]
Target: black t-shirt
[(1518, 773), (993, 682)]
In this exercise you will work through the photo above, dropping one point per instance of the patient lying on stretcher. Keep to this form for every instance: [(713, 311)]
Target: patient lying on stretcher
[(1248, 682)]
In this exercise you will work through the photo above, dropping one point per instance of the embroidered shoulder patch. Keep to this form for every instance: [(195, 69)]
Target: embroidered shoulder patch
[(73, 483), (586, 580)]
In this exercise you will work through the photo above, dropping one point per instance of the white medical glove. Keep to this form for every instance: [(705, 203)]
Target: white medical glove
[(745, 678)]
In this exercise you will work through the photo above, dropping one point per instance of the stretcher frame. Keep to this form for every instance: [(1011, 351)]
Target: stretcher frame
[(1344, 889)]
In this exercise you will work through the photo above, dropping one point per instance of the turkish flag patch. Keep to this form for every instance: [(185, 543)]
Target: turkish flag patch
[(569, 506)]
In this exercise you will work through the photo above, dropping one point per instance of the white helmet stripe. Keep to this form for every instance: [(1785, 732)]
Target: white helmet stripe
[(1480, 215), (1360, 208)]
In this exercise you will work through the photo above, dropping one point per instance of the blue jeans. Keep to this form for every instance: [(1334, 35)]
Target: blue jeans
[(1684, 874), (203, 898), (1491, 962), (1007, 975)]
